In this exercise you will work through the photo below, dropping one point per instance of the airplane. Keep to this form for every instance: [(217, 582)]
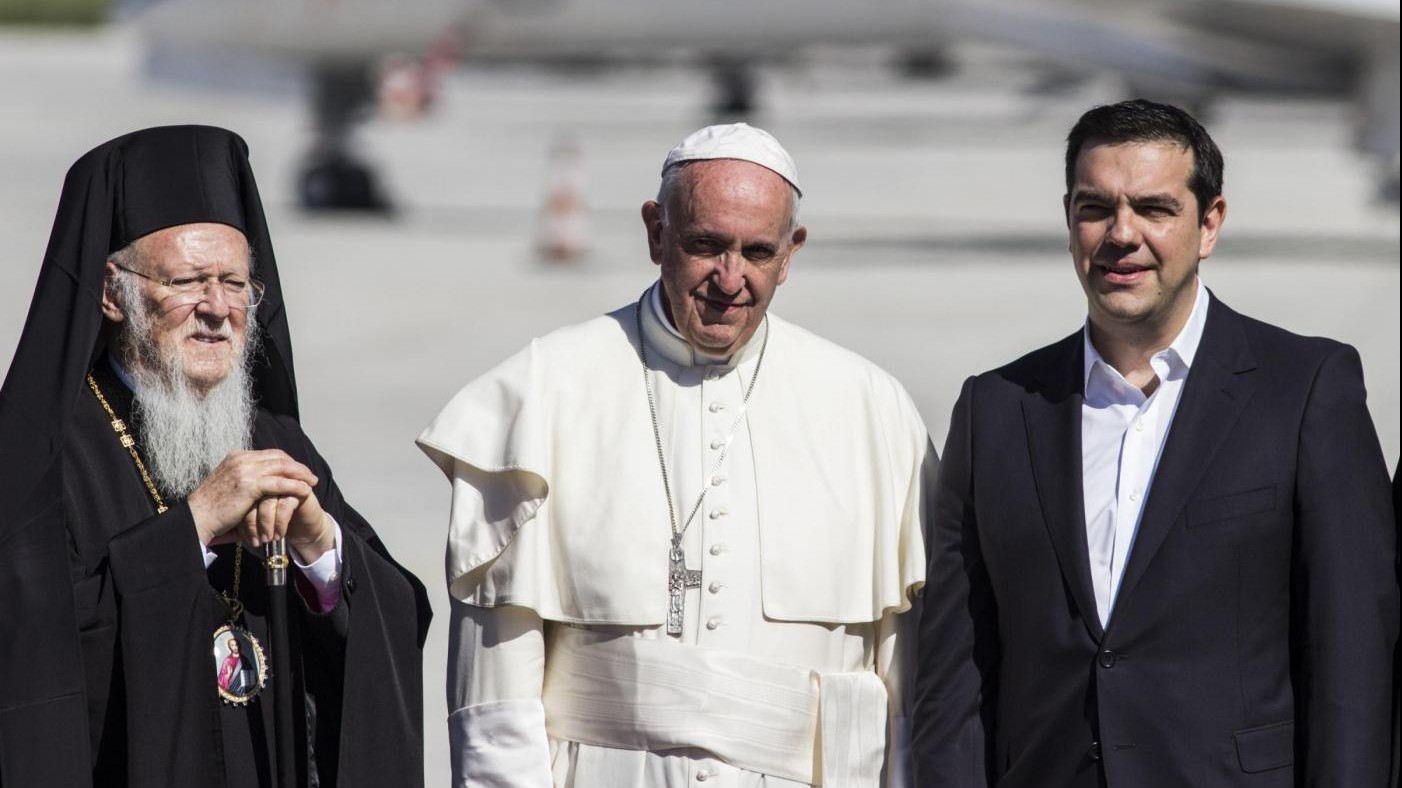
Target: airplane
[(1187, 51), (1194, 51)]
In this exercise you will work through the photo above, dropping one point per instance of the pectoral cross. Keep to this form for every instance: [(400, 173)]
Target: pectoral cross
[(679, 579)]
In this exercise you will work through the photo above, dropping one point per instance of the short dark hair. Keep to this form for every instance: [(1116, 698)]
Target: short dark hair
[(1147, 121)]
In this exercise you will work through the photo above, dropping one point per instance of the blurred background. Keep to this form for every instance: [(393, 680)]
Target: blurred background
[(446, 179)]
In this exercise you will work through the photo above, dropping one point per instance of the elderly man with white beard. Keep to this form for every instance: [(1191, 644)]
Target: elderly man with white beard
[(150, 443)]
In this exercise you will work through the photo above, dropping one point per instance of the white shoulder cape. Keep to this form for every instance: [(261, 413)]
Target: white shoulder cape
[(558, 506)]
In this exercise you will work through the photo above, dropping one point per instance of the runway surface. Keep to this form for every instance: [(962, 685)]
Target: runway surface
[(937, 246)]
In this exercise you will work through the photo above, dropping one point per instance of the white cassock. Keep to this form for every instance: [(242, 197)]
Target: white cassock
[(795, 664)]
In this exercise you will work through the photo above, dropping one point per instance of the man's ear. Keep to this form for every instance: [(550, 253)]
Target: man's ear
[(653, 224), (796, 241), (110, 308), (1211, 225)]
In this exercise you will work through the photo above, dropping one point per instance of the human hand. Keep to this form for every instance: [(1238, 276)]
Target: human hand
[(249, 484), (298, 519), (310, 533)]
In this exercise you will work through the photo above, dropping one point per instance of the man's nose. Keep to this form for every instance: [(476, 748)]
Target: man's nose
[(214, 302), (1124, 227), (729, 275)]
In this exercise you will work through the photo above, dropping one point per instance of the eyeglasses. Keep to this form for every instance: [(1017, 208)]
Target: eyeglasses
[(188, 290)]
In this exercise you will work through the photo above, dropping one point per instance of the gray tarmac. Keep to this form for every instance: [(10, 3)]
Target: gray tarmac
[(937, 245)]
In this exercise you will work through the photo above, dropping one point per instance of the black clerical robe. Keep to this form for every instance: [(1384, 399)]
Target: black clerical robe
[(147, 610)]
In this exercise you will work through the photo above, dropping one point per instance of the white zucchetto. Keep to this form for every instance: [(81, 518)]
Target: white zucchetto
[(736, 141)]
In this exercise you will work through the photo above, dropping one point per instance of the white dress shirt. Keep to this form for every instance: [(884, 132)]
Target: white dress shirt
[(1122, 437)]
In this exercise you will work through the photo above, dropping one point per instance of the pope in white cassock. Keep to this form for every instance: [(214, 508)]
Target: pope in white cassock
[(685, 536)]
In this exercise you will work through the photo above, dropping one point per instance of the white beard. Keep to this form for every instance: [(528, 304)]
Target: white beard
[(184, 434)]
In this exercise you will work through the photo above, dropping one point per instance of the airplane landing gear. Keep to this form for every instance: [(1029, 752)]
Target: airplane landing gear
[(331, 177), (734, 95), (335, 181)]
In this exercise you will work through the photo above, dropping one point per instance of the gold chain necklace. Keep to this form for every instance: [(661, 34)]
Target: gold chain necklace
[(128, 442)]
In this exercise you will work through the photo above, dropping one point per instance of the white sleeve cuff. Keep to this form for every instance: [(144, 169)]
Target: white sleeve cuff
[(501, 744), (325, 572)]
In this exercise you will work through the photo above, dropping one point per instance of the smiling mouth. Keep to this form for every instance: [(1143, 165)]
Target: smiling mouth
[(1123, 268), (721, 305), (1123, 273)]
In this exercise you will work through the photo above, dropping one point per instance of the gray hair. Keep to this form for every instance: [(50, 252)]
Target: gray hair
[(127, 256), (132, 346), (671, 179)]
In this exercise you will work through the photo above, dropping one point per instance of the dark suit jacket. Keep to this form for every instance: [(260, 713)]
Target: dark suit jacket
[(1397, 654), (1252, 637)]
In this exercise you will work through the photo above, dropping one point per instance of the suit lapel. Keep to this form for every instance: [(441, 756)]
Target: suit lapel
[(1217, 391), (1052, 415)]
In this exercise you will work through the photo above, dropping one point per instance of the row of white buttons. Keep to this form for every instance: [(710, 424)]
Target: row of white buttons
[(715, 622), (1138, 427)]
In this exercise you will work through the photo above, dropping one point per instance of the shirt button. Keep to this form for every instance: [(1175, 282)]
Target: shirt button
[(717, 549), (716, 445), (1134, 495), (716, 407), (713, 623), (703, 776), (717, 480), (1139, 426), (715, 588)]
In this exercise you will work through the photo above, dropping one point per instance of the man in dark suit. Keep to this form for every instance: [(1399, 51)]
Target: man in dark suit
[(1163, 547)]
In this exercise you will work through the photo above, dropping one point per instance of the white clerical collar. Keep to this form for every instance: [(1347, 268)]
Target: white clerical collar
[(122, 374), (1180, 352), (662, 337)]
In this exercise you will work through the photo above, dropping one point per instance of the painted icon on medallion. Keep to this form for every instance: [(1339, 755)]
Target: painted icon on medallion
[(241, 668)]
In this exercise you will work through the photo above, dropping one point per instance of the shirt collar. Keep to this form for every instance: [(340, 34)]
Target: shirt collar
[(1180, 352), (663, 338)]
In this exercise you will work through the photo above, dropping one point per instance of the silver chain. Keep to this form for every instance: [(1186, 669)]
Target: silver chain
[(657, 431)]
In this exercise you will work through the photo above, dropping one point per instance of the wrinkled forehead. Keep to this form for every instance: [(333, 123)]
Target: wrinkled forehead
[(730, 188), (196, 247)]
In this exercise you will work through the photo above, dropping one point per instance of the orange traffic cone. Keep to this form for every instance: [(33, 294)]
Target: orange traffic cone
[(564, 220)]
